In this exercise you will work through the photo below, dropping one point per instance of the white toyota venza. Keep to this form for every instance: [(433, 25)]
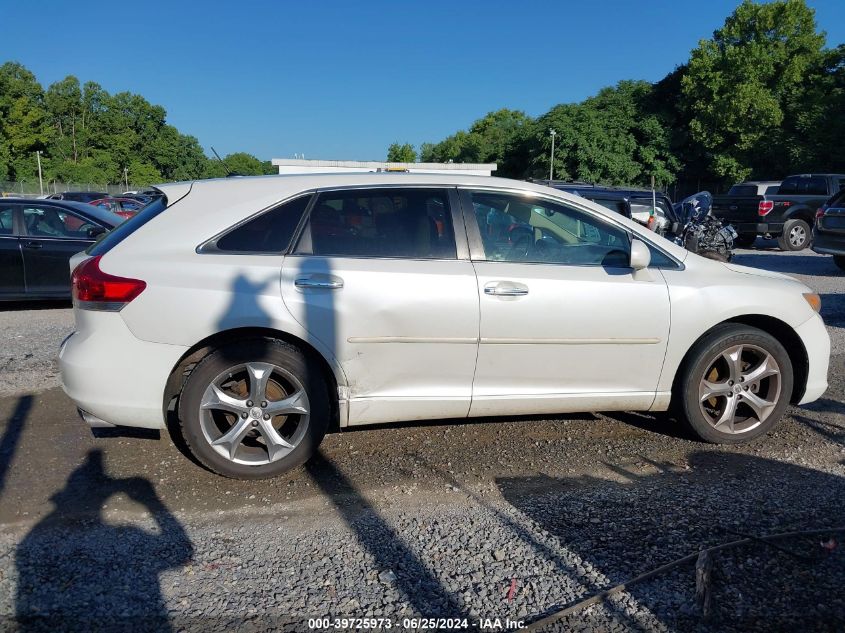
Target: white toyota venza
[(258, 313)]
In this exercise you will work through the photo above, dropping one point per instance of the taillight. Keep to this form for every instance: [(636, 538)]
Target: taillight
[(820, 211), (765, 207), (95, 290)]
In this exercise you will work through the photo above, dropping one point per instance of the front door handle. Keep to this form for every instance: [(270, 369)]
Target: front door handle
[(33, 245), (505, 289), (322, 283)]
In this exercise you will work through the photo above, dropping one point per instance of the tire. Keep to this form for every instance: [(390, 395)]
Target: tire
[(796, 235), (238, 437), (839, 260), (709, 360), (745, 240)]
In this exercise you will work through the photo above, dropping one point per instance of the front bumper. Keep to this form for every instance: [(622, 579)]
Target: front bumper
[(116, 378), (816, 341)]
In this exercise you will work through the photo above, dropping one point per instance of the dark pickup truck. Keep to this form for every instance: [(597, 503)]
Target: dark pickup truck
[(787, 215)]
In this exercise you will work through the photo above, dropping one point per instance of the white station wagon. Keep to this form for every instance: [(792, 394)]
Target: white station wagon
[(264, 311)]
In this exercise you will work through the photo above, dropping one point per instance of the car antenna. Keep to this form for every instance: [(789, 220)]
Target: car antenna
[(229, 172)]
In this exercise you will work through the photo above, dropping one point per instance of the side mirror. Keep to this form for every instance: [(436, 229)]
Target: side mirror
[(640, 255)]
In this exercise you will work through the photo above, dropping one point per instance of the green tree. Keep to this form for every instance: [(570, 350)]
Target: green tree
[(739, 85), (24, 124), (404, 153)]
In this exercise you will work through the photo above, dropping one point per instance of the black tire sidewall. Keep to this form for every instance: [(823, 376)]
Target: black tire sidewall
[(745, 240), (258, 350), (697, 363)]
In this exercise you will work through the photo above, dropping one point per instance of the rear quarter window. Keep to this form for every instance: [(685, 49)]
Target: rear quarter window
[(743, 190), (268, 233)]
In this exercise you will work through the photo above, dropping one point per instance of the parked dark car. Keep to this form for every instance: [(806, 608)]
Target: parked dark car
[(743, 201), (38, 238), (124, 207), (829, 230), (78, 196), (631, 202), (787, 215)]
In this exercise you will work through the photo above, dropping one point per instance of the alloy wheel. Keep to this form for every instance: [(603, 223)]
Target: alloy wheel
[(797, 236), (254, 413), (740, 388)]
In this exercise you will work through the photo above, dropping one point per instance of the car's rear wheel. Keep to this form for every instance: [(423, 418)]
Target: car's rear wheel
[(839, 260), (254, 410), (745, 240), (796, 235), (735, 384)]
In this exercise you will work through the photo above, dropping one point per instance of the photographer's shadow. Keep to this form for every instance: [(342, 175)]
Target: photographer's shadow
[(77, 572)]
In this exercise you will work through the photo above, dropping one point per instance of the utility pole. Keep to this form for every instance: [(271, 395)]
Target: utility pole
[(40, 181), (552, 156), (126, 177)]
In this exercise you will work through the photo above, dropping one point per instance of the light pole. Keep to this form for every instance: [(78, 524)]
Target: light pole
[(126, 177), (552, 156), (40, 181)]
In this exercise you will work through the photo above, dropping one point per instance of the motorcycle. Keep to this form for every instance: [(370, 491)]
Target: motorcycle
[(701, 232)]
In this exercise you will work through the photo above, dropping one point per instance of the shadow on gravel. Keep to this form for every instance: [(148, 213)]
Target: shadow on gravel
[(12, 435), (833, 309), (413, 579), (797, 264), (625, 529), (662, 423), (78, 572)]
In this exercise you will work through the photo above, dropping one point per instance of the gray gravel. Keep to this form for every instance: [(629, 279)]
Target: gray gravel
[(497, 519), (31, 338)]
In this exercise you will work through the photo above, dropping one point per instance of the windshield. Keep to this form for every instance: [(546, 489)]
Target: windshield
[(125, 229)]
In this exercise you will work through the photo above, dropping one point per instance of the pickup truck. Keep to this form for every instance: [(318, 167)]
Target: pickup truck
[(787, 215)]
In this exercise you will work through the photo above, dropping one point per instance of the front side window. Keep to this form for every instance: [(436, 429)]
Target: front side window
[(7, 217), (388, 222), (519, 229), (44, 221)]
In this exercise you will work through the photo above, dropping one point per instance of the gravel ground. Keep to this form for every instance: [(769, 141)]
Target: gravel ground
[(508, 519), (31, 337)]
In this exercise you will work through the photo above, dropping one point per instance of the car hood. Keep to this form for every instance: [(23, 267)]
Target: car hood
[(759, 272)]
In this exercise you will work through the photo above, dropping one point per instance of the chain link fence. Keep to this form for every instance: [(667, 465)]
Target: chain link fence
[(33, 189)]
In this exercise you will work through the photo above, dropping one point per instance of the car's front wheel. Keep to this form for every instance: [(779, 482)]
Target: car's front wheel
[(254, 410), (735, 384)]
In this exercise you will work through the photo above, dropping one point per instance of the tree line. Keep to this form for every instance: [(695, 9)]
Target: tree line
[(764, 97), (86, 135)]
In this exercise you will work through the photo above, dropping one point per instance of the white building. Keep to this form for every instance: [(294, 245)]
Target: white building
[(303, 166)]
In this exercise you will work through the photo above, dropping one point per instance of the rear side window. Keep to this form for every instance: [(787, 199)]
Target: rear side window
[(743, 190), (403, 223), (125, 229), (804, 186), (618, 206), (270, 232)]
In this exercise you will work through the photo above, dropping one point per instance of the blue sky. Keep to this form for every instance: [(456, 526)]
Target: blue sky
[(342, 80)]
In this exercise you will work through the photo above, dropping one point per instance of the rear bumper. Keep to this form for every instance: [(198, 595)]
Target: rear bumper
[(114, 377), (759, 228), (829, 243), (817, 343)]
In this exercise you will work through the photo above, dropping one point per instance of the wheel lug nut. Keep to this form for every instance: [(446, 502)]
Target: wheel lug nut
[(243, 415), (255, 423), (249, 403), (746, 387), (266, 416), (730, 383), (264, 404)]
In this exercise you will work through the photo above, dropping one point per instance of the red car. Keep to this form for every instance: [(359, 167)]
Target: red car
[(124, 207)]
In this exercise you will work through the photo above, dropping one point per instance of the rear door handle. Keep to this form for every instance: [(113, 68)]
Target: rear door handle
[(33, 245), (323, 283), (505, 289)]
